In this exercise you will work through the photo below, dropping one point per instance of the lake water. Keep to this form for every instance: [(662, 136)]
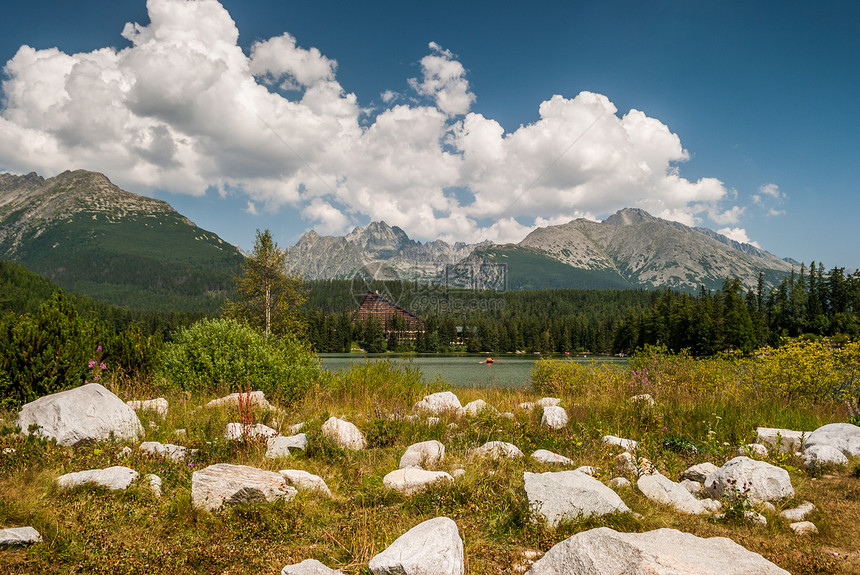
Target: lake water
[(461, 370)]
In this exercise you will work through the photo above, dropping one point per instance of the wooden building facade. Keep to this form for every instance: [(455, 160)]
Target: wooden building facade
[(394, 318)]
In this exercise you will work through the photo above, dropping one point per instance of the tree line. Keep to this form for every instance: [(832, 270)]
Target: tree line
[(809, 301)]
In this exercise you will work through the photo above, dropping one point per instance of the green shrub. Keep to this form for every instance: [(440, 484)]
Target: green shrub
[(216, 353), (44, 353)]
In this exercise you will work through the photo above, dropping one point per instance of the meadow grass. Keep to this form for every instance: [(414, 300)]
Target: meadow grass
[(703, 412)]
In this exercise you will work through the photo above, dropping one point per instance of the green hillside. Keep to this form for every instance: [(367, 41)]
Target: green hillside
[(528, 269)]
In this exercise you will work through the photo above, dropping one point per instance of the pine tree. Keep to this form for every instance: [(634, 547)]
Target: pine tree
[(268, 296)]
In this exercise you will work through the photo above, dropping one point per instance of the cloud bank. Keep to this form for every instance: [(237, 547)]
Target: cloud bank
[(183, 109)]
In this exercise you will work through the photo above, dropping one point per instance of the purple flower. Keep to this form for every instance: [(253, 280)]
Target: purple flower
[(92, 363)]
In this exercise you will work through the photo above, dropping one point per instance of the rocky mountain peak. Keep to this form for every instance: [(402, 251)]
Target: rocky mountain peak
[(629, 217)]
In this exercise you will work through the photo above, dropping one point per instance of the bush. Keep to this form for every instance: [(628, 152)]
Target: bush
[(44, 353), (216, 353), (810, 371)]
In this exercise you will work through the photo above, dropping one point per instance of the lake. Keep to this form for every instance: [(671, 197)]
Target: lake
[(462, 370)]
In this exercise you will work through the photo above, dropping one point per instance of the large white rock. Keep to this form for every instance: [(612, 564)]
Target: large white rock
[(786, 440), (423, 454), (224, 485), (817, 455), (843, 436), (305, 481), (554, 417), (569, 495), (87, 413), (625, 444), (498, 450), (166, 450), (546, 456), (19, 536), (344, 434), (412, 479), (604, 551), (758, 481), (433, 547), (237, 431), (309, 567), (114, 478), (438, 403), (663, 490)]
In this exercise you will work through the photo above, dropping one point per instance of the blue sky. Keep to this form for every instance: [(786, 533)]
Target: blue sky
[(464, 121)]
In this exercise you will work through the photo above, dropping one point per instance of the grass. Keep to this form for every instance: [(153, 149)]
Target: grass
[(96, 531)]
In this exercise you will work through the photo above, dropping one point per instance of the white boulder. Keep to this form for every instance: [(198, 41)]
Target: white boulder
[(114, 478), (158, 405), (280, 446), (19, 536), (438, 403), (604, 551), (423, 454), (843, 436), (498, 450), (255, 398), (165, 450), (798, 513), (154, 482), (625, 444), (475, 407), (569, 495), (413, 479), (554, 417), (786, 440), (83, 414), (699, 472), (758, 481), (546, 456), (803, 528), (433, 547), (752, 449), (309, 567), (224, 485), (548, 402), (821, 454), (305, 481), (344, 434), (663, 490), (238, 431)]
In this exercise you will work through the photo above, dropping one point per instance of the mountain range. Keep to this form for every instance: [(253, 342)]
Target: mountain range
[(91, 237), (630, 249)]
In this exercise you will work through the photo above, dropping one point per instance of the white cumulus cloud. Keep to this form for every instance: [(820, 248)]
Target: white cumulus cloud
[(183, 109)]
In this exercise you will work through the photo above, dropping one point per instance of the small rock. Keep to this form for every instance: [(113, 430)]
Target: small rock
[(527, 405), (663, 490), (588, 470), (498, 450), (768, 507), (413, 479), (256, 398), (309, 567), (699, 472), (19, 536), (159, 405), (754, 518), (296, 428), (694, 487), (554, 417), (280, 446), (305, 481), (434, 421), (545, 456), (423, 454), (625, 444), (799, 513), (458, 473), (548, 402), (114, 478), (643, 399), (166, 450), (804, 528), (786, 440), (344, 434), (822, 454), (475, 407), (507, 415), (238, 432), (628, 464), (180, 433), (620, 483), (753, 449), (438, 403), (154, 482)]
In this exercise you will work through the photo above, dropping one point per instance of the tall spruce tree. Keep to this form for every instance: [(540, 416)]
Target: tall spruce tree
[(268, 296)]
